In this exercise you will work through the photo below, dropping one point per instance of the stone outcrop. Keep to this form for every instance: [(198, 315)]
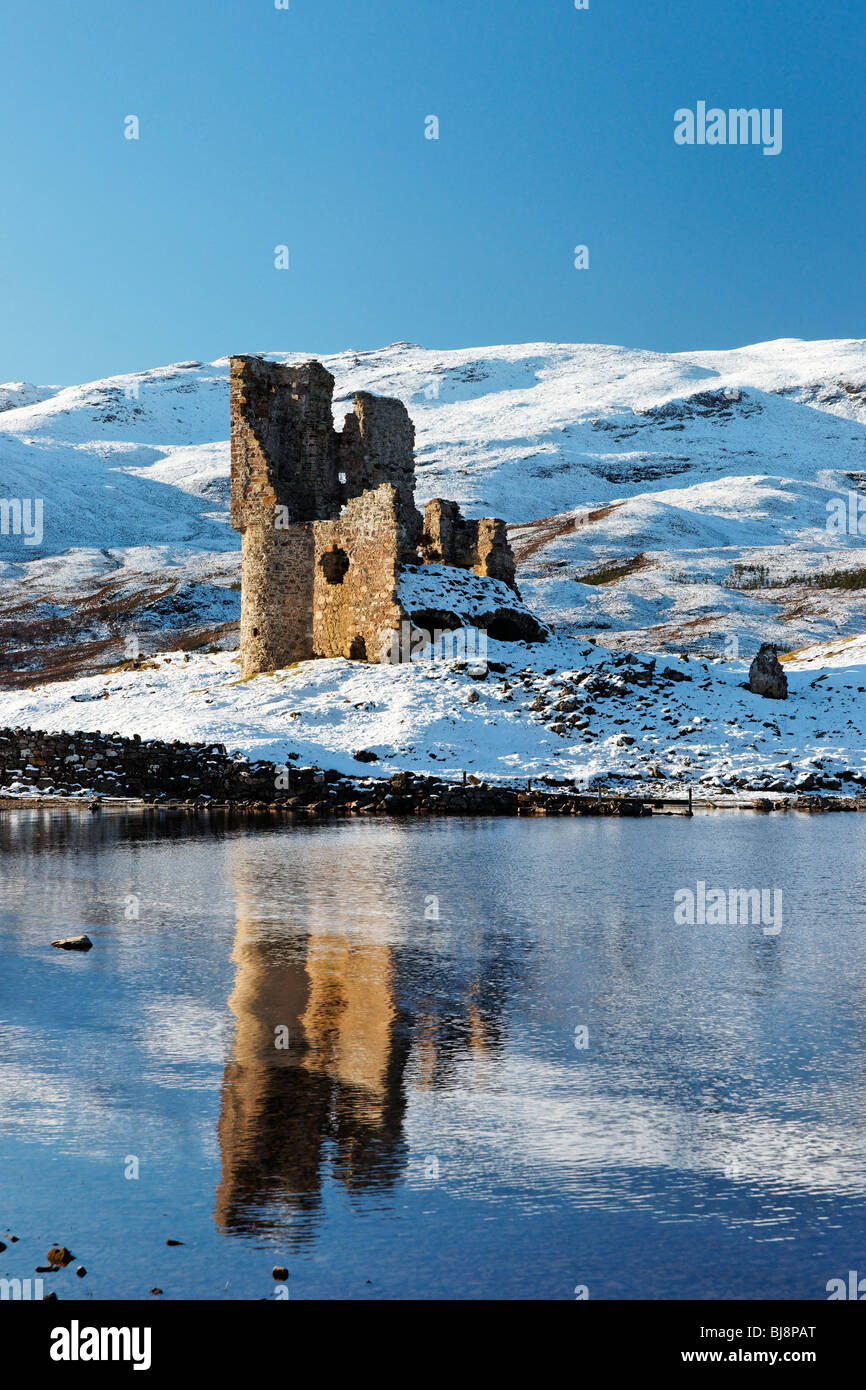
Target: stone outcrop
[(442, 598), (766, 675), (328, 519)]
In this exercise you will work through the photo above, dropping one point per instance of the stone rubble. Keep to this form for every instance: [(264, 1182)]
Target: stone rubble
[(93, 767)]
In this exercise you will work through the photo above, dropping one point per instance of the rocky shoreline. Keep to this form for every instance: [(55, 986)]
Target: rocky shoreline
[(39, 768)]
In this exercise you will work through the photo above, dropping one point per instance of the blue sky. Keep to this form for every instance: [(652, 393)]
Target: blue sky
[(305, 127)]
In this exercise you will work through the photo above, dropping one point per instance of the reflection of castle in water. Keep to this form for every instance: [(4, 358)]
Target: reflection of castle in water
[(329, 1020)]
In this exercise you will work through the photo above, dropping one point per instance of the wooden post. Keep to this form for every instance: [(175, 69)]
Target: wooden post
[(691, 812)]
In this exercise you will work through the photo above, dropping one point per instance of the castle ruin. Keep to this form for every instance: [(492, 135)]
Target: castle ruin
[(328, 521)]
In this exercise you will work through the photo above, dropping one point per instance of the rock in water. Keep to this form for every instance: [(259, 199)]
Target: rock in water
[(766, 676), (74, 943), (59, 1256)]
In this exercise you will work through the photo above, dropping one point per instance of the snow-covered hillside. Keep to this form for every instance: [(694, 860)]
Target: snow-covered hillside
[(563, 709), (659, 501)]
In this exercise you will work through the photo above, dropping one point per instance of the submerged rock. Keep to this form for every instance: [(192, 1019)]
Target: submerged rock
[(766, 676)]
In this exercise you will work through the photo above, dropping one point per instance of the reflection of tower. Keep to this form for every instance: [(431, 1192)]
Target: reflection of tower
[(318, 1058), (333, 990)]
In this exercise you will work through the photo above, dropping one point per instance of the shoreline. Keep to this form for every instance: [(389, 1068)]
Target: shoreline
[(493, 802), (98, 770)]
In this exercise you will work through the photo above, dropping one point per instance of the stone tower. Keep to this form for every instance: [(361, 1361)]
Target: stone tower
[(328, 518), (284, 475), (325, 517)]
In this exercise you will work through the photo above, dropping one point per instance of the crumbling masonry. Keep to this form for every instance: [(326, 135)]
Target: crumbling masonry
[(328, 519)]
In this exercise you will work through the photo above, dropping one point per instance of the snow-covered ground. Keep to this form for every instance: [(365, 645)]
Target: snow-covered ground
[(565, 709), (658, 503)]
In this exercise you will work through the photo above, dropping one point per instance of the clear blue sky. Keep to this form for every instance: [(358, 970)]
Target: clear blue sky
[(305, 127)]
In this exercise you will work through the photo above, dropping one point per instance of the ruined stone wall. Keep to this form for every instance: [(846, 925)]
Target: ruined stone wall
[(284, 472), (482, 546), (445, 539), (493, 554), (378, 446), (291, 475), (327, 519), (284, 449), (355, 576), (276, 597)]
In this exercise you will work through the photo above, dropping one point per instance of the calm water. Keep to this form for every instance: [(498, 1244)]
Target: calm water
[(305, 1066)]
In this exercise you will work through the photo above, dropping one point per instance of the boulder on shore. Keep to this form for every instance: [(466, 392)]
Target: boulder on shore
[(766, 676)]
